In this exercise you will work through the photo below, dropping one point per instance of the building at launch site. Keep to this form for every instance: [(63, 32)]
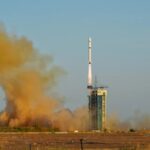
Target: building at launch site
[(97, 98)]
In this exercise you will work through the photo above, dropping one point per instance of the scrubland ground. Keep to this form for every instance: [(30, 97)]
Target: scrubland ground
[(74, 141)]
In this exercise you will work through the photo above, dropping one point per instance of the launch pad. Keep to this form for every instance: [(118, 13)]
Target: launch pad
[(97, 108), (96, 97)]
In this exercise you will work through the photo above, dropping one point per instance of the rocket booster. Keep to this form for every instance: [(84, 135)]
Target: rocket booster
[(89, 50), (89, 63)]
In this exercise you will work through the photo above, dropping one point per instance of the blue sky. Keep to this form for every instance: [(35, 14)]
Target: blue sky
[(120, 31)]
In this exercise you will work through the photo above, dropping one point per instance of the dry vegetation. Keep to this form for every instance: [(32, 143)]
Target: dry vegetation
[(68, 141)]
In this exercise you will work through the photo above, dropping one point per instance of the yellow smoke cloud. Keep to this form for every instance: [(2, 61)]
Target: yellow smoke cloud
[(25, 76)]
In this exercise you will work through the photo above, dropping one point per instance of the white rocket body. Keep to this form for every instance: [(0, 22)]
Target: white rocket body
[(89, 63)]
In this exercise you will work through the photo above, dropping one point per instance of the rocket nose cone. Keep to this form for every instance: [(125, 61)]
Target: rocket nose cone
[(90, 40)]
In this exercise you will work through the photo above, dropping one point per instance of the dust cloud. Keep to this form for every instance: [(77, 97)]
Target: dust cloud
[(27, 78), (137, 121)]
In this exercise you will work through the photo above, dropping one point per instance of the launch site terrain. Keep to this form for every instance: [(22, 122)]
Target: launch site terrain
[(73, 141)]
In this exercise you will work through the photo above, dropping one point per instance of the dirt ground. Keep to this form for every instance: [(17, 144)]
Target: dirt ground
[(74, 141)]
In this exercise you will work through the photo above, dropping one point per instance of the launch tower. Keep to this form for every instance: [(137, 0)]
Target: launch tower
[(96, 97)]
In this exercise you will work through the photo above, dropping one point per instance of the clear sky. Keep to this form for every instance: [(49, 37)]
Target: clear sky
[(120, 30)]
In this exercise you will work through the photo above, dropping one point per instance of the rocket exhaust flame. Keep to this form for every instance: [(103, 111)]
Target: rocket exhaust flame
[(26, 77)]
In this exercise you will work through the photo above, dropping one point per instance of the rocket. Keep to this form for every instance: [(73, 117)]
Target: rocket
[(89, 86)]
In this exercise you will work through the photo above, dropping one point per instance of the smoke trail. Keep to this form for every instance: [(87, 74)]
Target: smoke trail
[(26, 78)]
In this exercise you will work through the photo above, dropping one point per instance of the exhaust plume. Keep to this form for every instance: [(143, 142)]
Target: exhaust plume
[(27, 78)]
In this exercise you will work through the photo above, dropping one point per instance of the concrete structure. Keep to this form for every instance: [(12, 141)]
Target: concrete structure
[(97, 98), (97, 108)]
